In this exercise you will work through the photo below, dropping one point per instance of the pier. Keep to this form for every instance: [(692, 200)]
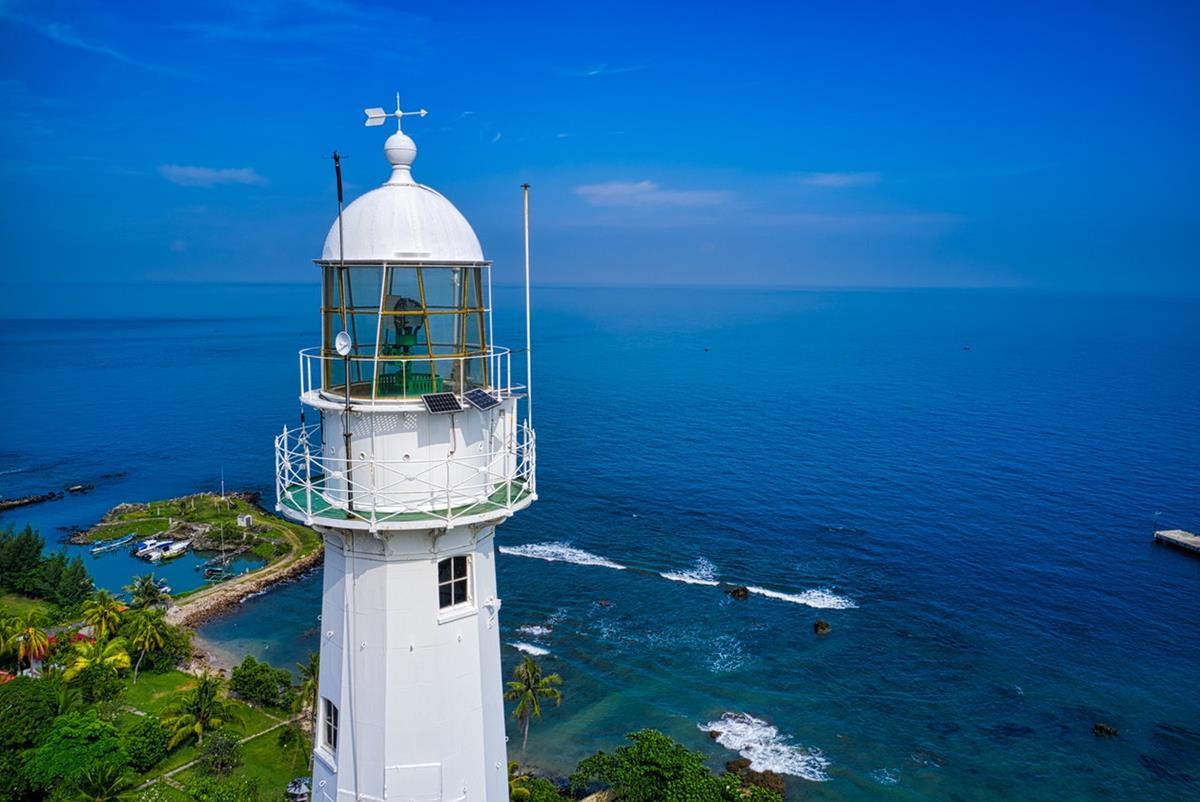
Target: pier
[(1179, 539)]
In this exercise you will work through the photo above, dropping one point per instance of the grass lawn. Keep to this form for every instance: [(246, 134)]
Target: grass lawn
[(12, 604), (153, 691), (266, 762)]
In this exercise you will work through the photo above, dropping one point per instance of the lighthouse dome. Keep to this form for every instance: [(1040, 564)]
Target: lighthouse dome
[(403, 221)]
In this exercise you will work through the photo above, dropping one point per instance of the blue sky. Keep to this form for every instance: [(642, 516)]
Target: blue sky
[(826, 144)]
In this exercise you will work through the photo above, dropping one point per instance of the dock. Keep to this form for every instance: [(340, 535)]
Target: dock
[(1179, 539)]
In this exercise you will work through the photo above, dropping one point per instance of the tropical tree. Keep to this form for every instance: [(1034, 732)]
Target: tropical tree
[(528, 689), (9, 627), (147, 632), (310, 675), (104, 782), (199, 710), (28, 639), (144, 591), (94, 653), (102, 612)]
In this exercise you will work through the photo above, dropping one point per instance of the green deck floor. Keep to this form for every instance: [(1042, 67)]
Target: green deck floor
[(298, 501)]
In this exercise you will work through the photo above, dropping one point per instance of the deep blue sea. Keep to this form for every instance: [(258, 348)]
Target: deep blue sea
[(963, 484)]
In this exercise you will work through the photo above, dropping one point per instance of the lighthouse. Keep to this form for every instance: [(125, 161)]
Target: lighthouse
[(409, 453)]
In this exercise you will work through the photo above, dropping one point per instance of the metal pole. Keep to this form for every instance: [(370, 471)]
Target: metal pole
[(528, 338), (346, 437)]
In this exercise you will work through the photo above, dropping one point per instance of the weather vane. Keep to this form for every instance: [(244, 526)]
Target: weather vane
[(376, 116)]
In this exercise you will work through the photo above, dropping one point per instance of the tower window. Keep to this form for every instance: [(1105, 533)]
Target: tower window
[(453, 581), (331, 724)]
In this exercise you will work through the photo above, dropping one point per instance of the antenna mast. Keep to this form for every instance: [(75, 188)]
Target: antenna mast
[(528, 338)]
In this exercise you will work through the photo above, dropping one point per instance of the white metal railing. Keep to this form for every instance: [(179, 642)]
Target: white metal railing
[(390, 494), (382, 378)]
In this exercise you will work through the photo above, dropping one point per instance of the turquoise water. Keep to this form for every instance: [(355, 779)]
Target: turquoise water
[(973, 523)]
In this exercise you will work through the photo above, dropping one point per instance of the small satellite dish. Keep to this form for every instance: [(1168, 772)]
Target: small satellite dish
[(343, 343)]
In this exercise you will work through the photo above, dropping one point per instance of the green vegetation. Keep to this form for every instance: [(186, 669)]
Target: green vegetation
[(197, 711), (654, 768), (29, 581), (261, 684), (527, 688), (268, 537)]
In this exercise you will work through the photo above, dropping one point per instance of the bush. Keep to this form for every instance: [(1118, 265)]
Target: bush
[(262, 684), (74, 744), (27, 706), (176, 651), (289, 736), (221, 753), (99, 683), (653, 768), (146, 743), (209, 789)]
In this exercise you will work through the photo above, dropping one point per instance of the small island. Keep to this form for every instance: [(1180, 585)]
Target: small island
[(226, 526)]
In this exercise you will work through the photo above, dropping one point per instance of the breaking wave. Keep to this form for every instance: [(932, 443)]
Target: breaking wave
[(535, 630), (820, 598), (559, 552), (766, 749), (702, 573), (529, 648)]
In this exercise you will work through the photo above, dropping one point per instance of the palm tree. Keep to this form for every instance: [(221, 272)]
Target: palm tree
[(29, 639), (196, 711), (145, 591), (103, 782), (528, 690), (102, 612), (9, 627), (147, 630), (108, 654), (310, 674), (518, 784)]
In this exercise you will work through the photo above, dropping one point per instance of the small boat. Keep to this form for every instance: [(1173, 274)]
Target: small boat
[(109, 545), (214, 572), (143, 547), (176, 549)]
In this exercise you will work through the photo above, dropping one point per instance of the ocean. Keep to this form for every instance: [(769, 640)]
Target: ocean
[(963, 484)]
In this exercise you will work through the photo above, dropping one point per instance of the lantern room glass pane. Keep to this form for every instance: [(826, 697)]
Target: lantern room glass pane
[(414, 330)]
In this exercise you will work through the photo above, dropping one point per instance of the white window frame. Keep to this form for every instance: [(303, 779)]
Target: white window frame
[(327, 705), (466, 604)]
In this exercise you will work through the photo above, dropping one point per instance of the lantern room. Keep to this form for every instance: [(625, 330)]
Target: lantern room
[(405, 279)]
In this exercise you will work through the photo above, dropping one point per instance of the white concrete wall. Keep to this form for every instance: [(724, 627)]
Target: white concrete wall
[(416, 444), (418, 689)]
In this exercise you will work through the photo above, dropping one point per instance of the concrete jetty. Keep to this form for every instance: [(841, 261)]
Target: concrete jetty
[(1179, 539)]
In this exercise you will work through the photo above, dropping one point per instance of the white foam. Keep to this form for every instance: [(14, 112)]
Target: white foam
[(535, 630), (820, 598), (886, 776), (529, 648), (727, 655), (559, 552), (702, 573), (766, 749)]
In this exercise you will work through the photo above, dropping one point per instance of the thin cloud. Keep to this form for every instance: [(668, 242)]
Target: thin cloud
[(646, 193), (188, 176), (840, 179), (604, 69), (65, 35)]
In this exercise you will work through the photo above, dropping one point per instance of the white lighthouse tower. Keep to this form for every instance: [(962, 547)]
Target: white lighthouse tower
[(417, 456)]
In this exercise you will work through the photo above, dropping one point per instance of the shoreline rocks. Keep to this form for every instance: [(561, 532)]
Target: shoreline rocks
[(740, 768), (23, 501), (821, 627), (739, 592)]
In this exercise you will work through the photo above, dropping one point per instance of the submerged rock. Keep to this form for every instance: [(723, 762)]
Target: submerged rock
[(739, 592), (1103, 730), (822, 627), (763, 779)]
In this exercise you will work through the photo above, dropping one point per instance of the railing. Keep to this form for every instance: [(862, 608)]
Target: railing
[(389, 377), (399, 494)]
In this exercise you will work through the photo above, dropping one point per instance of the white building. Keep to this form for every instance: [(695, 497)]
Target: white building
[(417, 456)]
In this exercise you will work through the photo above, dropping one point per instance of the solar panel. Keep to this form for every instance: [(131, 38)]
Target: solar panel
[(441, 403), (481, 399)]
